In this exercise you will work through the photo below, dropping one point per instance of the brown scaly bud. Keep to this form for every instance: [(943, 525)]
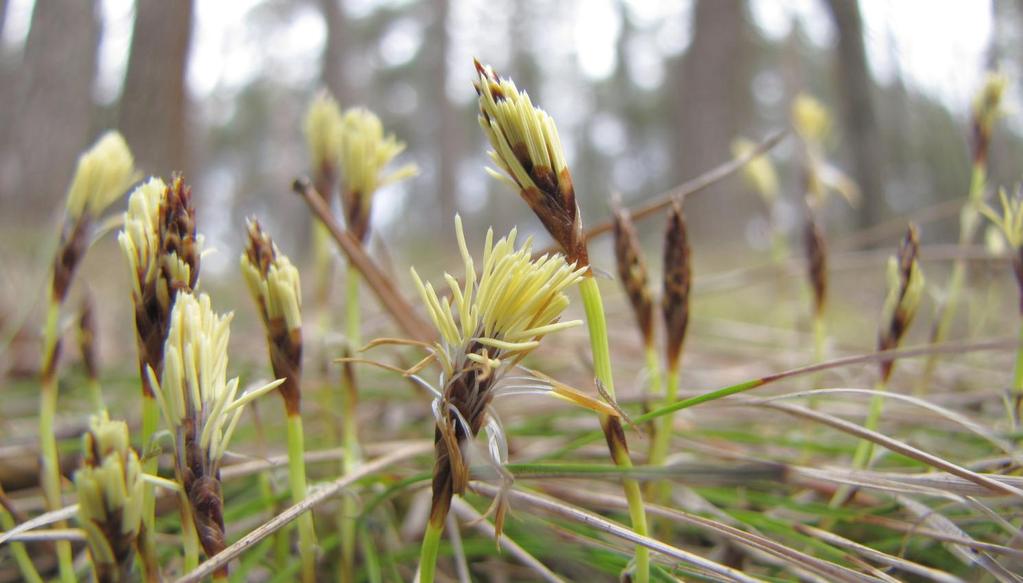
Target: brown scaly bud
[(180, 247), (986, 109), (633, 273), (905, 287), (677, 281), (274, 284), (527, 148), (87, 335), (816, 262), (110, 492), (74, 240)]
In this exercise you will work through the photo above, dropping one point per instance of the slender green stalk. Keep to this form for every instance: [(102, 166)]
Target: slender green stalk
[(28, 570), (150, 465), (1017, 377), (653, 369), (96, 395), (865, 449), (47, 438), (189, 538), (597, 326), (969, 220), (296, 474), (350, 432), (428, 552), (666, 424)]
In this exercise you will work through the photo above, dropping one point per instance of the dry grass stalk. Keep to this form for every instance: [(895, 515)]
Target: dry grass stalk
[(632, 272), (110, 498)]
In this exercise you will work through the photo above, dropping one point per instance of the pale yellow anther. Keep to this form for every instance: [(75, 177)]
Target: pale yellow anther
[(104, 172), (365, 152), (323, 130)]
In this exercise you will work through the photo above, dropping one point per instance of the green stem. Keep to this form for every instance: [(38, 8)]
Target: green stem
[(50, 462), (296, 474), (653, 369), (28, 570), (189, 537), (96, 396), (665, 425), (597, 326), (428, 552), (350, 433), (969, 218), (1017, 377), (865, 448), (150, 418)]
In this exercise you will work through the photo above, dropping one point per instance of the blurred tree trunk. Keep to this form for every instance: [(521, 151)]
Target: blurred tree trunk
[(154, 104), (713, 106), (51, 93), (334, 78), (448, 151), (3, 15), (858, 115)]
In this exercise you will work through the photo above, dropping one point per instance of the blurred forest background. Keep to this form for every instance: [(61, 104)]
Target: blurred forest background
[(646, 95)]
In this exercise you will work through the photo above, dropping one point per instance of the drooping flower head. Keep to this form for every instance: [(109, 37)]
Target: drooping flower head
[(110, 492), (529, 152), (365, 153), (274, 284)]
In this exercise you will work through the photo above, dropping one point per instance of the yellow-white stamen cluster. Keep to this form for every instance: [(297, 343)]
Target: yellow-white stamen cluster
[(278, 291), (323, 130), (140, 238), (513, 124), (104, 173), (508, 306), (365, 152), (194, 384), (110, 491), (759, 171)]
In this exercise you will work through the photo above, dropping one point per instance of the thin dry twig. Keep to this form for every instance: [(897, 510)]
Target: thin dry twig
[(590, 519), (480, 523), (316, 497), (400, 310)]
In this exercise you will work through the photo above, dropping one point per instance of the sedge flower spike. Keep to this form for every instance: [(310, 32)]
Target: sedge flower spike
[(527, 148), (110, 492), (104, 173), (273, 282), (322, 129), (499, 315), (987, 107), (905, 288), (632, 272), (758, 172), (201, 407), (365, 152)]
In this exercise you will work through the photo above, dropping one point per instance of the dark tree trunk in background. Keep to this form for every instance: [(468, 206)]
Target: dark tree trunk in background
[(334, 78), (713, 106), (449, 144), (51, 102), (859, 119), (154, 105)]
